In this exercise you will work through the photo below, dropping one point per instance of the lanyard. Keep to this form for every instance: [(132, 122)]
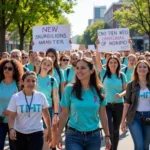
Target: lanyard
[(29, 106)]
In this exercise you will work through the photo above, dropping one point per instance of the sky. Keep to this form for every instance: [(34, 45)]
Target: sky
[(84, 11)]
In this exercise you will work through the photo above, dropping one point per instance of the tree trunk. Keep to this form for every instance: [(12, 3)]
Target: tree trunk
[(21, 46), (149, 42), (2, 40)]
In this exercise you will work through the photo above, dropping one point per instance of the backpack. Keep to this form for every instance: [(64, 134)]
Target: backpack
[(123, 60), (106, 75), (52, 83), (67, 72), (59, 74), (125, 71)]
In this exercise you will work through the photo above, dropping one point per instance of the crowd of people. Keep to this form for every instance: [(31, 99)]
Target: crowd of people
[(43, 94)]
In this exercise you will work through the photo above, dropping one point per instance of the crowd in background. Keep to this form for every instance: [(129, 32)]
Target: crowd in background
[(75, 90)]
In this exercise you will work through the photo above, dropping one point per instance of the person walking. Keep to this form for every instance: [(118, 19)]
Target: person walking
[(84, 104), (114, 82), (136, 113), (10, 76), (26, 109)]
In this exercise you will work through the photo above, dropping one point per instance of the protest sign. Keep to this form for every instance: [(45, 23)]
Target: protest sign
[(112, 40), (91, 47), (51, 36), (75, 46)]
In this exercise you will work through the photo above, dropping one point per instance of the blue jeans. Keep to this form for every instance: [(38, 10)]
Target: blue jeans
[(140, 133), (77, 141), (3, 132)]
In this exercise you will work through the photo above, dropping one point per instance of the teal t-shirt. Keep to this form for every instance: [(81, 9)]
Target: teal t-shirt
[(128, 73), (70, 76), (103, 61), (125, 61), (6, 92), (112, 86), (30, 67), (84, 114), (45, 86)]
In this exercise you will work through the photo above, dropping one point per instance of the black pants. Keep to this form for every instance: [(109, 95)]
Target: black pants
[(114, 114), (33, 141), (3, 132)]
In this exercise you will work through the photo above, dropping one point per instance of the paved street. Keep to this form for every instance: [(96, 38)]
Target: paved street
[(125, 142)]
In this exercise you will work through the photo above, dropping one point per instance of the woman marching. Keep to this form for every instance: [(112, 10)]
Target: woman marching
[(48, 86), (114, 82), (84, 104), (137, 107), (26, 109), (11, 72)]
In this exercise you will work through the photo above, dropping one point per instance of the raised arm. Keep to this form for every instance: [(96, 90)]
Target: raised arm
[(98, 58)]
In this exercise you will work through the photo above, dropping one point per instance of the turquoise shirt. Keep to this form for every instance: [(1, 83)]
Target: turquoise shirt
[(112, 86), (125, 61), (103, 61), (30, 67), (70, 76), (128, 73), (84, 114), (45, 86), (6, 92)]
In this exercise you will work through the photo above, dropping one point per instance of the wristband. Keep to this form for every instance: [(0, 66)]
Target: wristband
[(11, 129), (56, 113), (107, 136)]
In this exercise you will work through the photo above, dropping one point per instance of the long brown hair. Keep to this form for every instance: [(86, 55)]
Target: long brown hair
[(135, 76), (108, 72), (94, 81)]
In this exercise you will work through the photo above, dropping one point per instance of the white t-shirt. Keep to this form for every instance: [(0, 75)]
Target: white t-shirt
[(24, 123), (144, 100)]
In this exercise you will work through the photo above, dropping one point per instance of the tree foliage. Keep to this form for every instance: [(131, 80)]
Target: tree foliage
[(8, 9), (136, 17), (33, 12), (90, 34)]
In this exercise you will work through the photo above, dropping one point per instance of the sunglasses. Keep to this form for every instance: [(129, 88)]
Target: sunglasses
[(65, 59), (8, 68), (24, 57), (14, 56)]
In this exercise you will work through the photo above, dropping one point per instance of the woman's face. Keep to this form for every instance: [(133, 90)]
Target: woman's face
[(113, 64), (37, 61), (131, 61), (83, 71), (46, 66), (64, 61), (4, 56), (25, 59), (142, 69), (8, 70), (29, 82), (50, 54)]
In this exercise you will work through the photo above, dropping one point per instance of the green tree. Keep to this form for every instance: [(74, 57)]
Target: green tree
[(8, 9), (32, 12), (91, 33), (136, 17)]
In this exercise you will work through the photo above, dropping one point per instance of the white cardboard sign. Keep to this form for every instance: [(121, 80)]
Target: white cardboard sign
[(112, 40), (75, 46), (91, 47), (51, 36)]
